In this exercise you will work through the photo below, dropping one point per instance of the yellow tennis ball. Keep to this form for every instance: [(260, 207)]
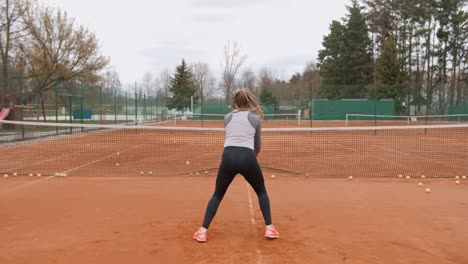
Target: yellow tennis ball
[(64, 175), (457, 182), (428, 190), (39, 175), (420, 184), (5, 176), (15, 174), (30, 175), (197, 173), (408, 177), (187, 162), (464, 177), (400, 176), (141, 172), (206, 172), (457, 177), (273, 176), (117, 164), (350, 177), (423, 177)]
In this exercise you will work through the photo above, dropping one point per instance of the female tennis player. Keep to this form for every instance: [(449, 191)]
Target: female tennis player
[(241, 147)]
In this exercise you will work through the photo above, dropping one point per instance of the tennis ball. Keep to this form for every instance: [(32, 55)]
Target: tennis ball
[(117, 164), (15, 174), (197, 173), (187, 162), (5, 176), (150, 173), (39, 175), (64, 175), (350, 178), (206, 172), (273, 176), (457, 177), (141, 172), (30, 175), (428, 190), (423, 177), (457, 182), (408, 177), (464, 177), (400, 176), (420, 184)]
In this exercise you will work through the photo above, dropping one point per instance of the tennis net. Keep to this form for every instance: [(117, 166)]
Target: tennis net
[(155, 150), (365, 120)]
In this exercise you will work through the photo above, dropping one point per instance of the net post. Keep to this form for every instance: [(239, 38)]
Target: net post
[(81, 106), (115, 106), (56, 103), (126, 107), (136, 103)]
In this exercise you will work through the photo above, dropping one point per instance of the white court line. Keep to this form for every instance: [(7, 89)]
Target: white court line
[(101, 159), (392, 150), (250, 205), (252, 218), (26, 184)]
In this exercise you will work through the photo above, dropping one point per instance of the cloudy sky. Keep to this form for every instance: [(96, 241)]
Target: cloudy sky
[(151, 35)]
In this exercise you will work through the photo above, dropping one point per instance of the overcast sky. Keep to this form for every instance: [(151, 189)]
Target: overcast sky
[(148, 36)]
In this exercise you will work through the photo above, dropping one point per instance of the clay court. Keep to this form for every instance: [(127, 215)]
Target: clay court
[(145, 209)]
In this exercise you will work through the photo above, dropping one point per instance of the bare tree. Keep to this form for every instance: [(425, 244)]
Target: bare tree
[(233, 60), (110, 82), (148, 84), (163, 84), (56, 49), (203, 79), (12, 30), (249, 80)]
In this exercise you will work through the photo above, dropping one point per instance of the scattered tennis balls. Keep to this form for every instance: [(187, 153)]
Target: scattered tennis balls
[(400, 176), (420, 184), (423, 176), (457, 182), (428, 190), (273, 176), (408, 177)]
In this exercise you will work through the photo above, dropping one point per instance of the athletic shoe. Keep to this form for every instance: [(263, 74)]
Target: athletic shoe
[(271, 232), (200, 236)]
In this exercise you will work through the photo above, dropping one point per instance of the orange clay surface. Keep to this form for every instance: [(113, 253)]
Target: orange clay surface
[(47, 220)]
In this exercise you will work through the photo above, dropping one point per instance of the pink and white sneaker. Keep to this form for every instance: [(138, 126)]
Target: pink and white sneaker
[(271, 232), (200, 235)]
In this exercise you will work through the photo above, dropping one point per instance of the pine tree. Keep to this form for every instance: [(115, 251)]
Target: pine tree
[(358, 56), (182, 87)]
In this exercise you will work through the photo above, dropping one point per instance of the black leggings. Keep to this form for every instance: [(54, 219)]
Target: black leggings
[(243, 161)]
